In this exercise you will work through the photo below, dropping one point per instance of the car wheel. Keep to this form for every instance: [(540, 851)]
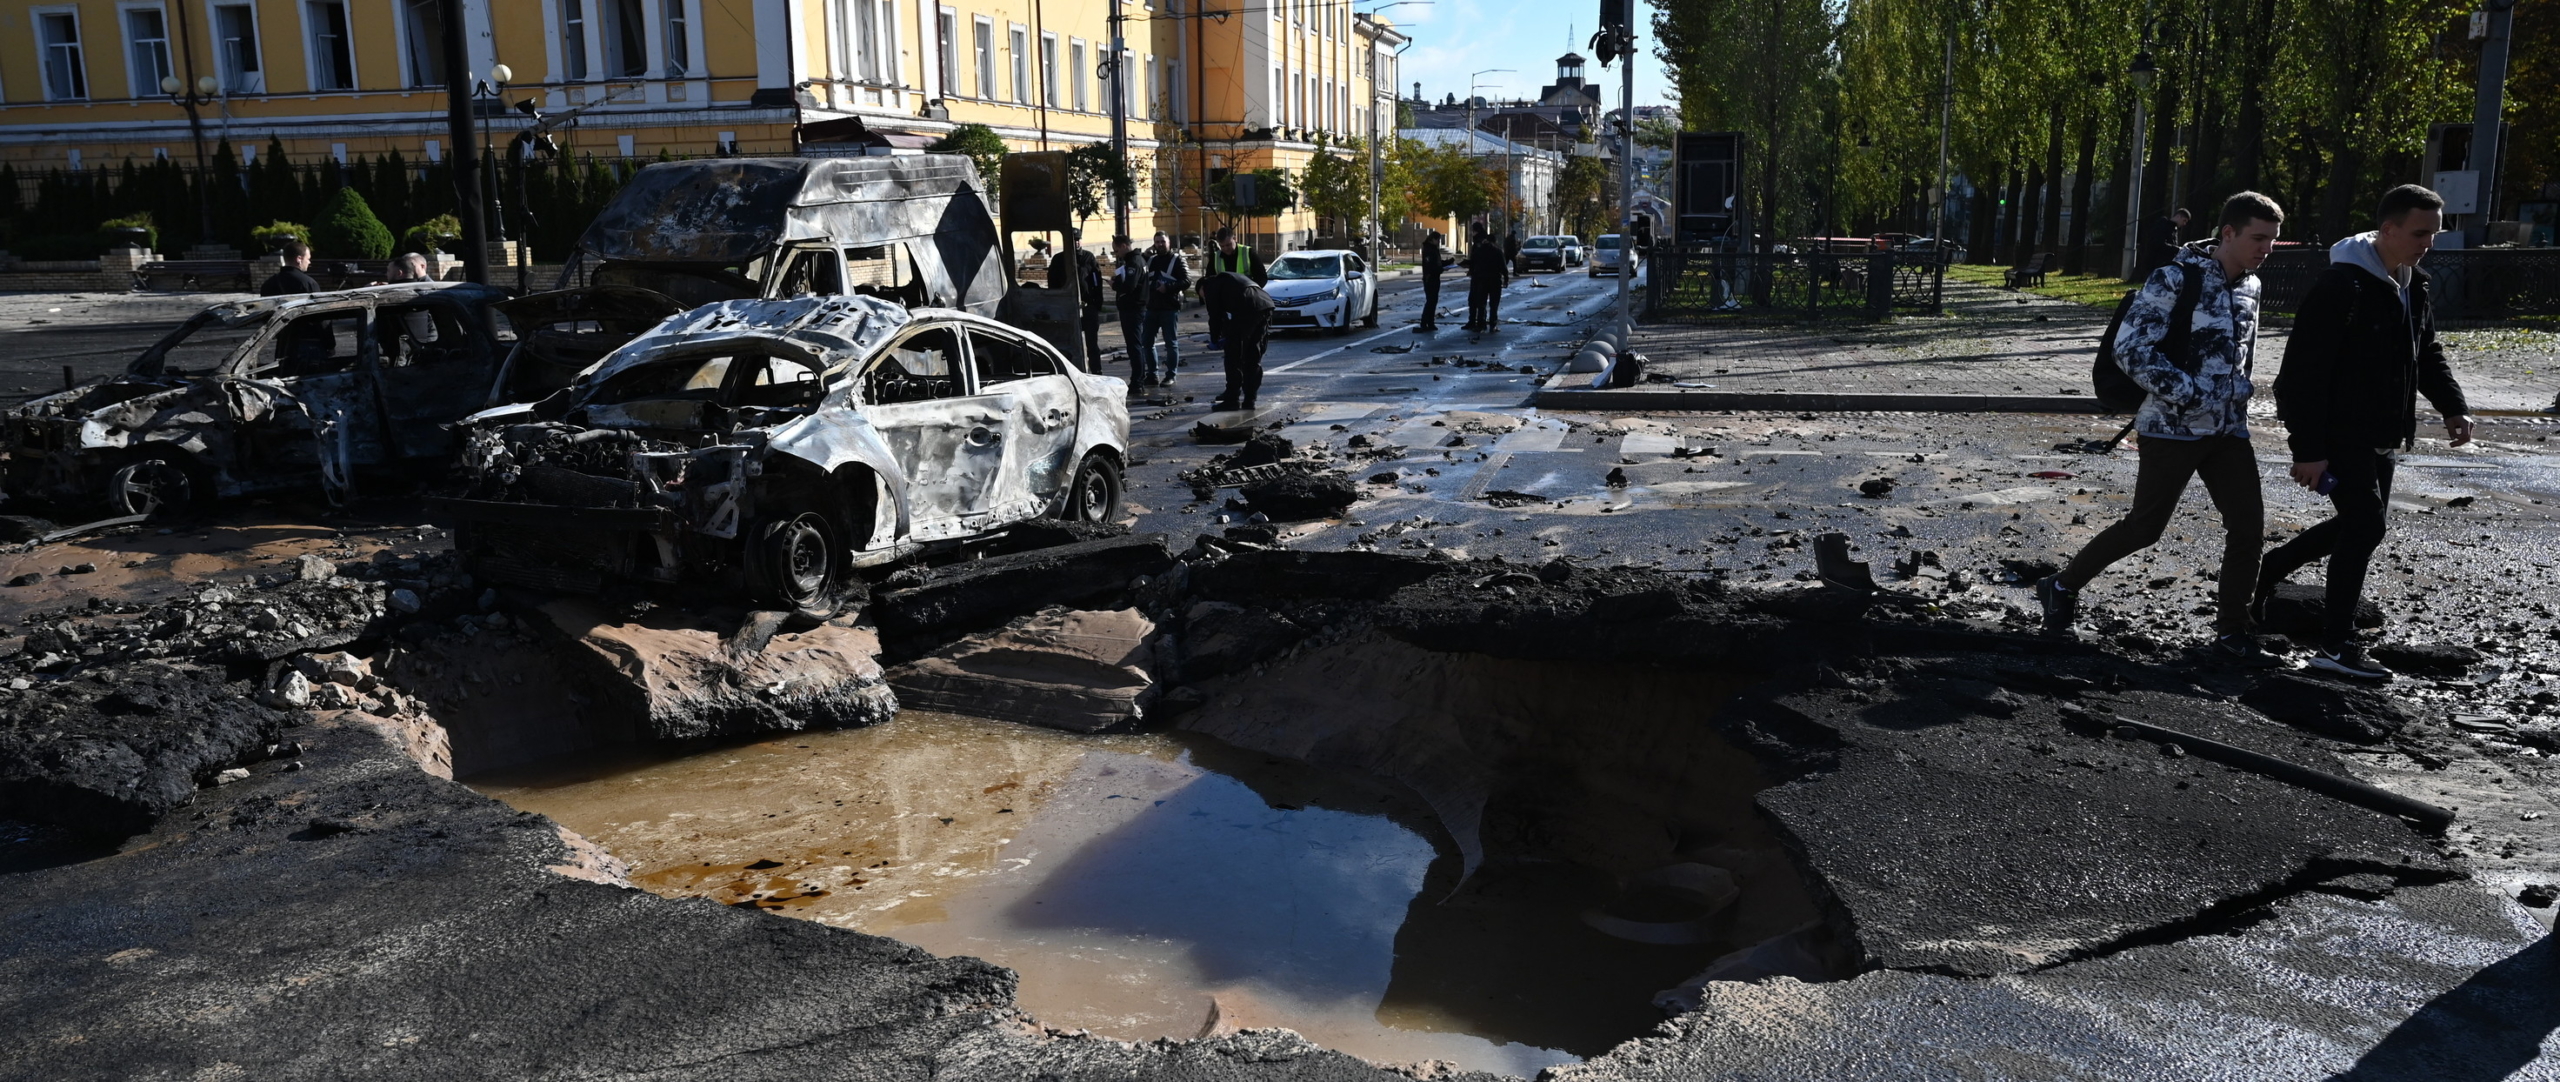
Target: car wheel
[(793, 563), (150, 487), (1095, 495), (1371, 320)]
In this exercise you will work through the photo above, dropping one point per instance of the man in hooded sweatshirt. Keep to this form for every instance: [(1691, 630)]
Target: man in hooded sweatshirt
[(2364, 348), (2194, 418)]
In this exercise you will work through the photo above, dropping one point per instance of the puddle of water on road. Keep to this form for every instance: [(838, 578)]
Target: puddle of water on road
[(1144, 886)]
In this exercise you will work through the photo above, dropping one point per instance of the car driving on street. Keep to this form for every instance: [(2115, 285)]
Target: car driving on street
[(1544, 253), (1608, 255), (772, 446), (1327, 289)]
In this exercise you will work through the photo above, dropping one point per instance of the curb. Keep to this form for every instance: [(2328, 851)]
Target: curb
[(1565, 391)]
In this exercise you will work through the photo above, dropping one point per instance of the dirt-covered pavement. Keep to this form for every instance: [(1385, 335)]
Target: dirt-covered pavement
[(231, 846)]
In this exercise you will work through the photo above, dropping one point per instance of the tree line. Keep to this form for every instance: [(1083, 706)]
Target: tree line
[(2322, 104)]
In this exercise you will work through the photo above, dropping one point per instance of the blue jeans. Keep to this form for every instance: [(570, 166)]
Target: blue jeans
[(1157, 325)]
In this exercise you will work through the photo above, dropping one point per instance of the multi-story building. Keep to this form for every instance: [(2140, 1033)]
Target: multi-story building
[(1210, 87)]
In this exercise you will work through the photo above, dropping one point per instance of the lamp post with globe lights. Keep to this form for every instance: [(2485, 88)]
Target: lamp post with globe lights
[(203, 92)]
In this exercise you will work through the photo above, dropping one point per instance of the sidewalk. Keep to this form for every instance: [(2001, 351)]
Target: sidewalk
[(1993, 351)]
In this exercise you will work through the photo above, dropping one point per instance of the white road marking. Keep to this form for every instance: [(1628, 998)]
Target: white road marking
[(1337, 349)]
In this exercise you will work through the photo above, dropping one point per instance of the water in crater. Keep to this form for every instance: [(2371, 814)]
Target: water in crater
[(1143, 885)]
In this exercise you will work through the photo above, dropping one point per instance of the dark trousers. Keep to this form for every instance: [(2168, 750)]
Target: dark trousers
[(1430, 302), (1480, 294), (2230, 472), (1092, 338), (1130, 318), (1492, 299), (1219, 321), (1248, 335), (2348, 538)]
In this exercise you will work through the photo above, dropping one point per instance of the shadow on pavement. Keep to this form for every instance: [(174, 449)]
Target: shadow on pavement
[(2486, 1028)]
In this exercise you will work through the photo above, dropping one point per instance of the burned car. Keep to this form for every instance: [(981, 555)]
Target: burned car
[(774, 446), (266, 395)]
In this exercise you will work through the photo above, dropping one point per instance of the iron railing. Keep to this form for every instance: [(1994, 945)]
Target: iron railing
[(1701, 283), (2475, 283)]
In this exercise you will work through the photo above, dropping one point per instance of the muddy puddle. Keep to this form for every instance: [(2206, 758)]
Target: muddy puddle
[(1144, 886)]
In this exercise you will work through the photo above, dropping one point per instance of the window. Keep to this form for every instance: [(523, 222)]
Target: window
[(947, 25), (982, 49), (1076, 71), (924, 366), (874, 46), (1019, 39), (812, 272), (317, 345), (1000, 358), (334, 54), (146, 37), (626, 39), (679, 39), (573, 40), (421, 40), (1049, 70), (66, 77), (1155, 86), (235, 49)]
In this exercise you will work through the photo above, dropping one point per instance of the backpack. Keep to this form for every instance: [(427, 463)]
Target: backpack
[(2117, 392)]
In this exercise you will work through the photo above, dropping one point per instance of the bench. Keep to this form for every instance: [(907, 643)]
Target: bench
[(2031, 272), (195, 274)]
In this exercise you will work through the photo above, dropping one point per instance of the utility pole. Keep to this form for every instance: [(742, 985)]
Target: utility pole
[(1377, 176), (2143, 72), (1120, 112), (1627, 255), (1938, 214), (2487, 118), (466, 151)]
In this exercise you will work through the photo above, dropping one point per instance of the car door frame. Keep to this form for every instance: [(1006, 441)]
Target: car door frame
[(360, 394), (1059, 428), (926, 522)]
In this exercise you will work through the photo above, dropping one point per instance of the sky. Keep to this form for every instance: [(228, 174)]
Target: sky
[(1455, 38)]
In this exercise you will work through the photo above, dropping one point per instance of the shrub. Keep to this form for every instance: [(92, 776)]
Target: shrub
[(980, 144), (347, 228), (272, 233), (428, 235), (141, 221)]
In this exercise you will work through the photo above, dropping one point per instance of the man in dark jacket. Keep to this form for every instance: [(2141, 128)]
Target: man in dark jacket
[(1167, 278), (1225, 255), (296, 275), (1129, 295), (2159, 243), (1435, 261), (1248, 311), (1484, 282), (2363, 349), (1089, 304)]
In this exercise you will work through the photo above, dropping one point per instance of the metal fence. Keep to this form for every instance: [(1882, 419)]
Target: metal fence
[(1702, 283), (2476, 283)]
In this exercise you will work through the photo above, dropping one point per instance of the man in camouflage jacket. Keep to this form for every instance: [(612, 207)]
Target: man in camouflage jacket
[(2194, 419)]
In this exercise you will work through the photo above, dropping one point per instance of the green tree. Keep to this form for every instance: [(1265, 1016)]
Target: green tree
[(978, 143), (1582, 195), (1450, 183), (1097, 176), (347, 227), (1336, 188), (1761, 67)]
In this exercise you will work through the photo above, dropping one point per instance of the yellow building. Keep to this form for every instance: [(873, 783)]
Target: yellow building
[(1212, 85)]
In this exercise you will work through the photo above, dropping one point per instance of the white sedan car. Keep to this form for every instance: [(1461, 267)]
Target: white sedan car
[(772, 446), (1612, 255), (1325, 289)]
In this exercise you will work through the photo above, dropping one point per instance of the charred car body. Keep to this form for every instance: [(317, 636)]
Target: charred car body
[(914, 230), (267, 395), (775, 445)]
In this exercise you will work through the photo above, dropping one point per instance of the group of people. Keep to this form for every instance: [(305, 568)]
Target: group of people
[(1488, 264), (295, 277), (1147, 288), (2363, 350)]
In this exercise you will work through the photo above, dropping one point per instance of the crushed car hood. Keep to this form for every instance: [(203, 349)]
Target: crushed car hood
[(844, 326)]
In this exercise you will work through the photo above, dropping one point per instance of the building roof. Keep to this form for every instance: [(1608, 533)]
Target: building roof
[(1485, 143)]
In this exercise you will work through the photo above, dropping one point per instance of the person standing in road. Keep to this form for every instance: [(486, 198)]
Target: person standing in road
[(1248, 333), (1129, 295), (1089, 303), (1510, 253), (1226, 256), (296, 275), (1167, 278), (2364, 348), (2194, 418), (2159, 243), (1435, 260), (1475, 285), (1484, 282)]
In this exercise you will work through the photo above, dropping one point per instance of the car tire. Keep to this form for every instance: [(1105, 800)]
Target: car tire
[(152, 487), (1371, 320), (795, 564), (1095, 494)]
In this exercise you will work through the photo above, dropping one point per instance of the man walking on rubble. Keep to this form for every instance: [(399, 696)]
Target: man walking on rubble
[(2194, 417), (2364, 348)]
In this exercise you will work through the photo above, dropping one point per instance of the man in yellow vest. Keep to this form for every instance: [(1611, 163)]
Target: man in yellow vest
[(1225, 256)]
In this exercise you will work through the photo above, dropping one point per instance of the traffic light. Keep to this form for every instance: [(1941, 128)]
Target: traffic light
[(1614, 31)]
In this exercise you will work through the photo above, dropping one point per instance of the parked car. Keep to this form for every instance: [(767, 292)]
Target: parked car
[(1543, 253), (267, 395), (1326, 288), (1574, 251), (1608, 254), (770, 447)]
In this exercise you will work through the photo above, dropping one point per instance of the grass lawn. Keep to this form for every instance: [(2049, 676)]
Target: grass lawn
[(2094, 290)]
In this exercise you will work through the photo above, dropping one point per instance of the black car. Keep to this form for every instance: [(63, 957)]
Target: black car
[(1543, 254)]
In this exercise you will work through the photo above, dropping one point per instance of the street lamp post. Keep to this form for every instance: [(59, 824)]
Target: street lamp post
[(200, 94), (492, 90), (1111, 70), (2142, 73), (1472, 84)]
